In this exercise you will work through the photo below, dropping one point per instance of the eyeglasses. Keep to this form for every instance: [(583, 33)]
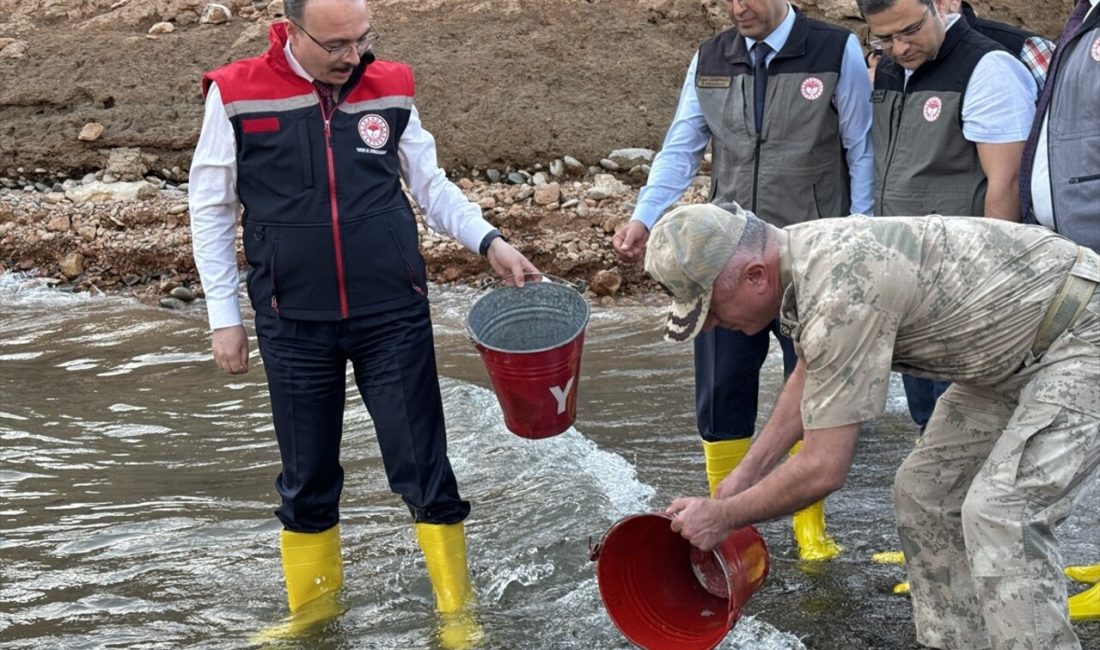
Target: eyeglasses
[(361, 46), (905, 35)]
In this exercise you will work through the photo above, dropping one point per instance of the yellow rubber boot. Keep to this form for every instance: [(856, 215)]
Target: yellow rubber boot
[(444, 547), (721, 457), (314, 571), (814, 542), (1085, 606)]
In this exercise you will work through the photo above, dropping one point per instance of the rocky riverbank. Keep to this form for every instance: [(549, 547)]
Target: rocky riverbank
[(100, 110), (125, 229)]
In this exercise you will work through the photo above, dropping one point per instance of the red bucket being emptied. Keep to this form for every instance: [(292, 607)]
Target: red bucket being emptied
[(663, 593), (530, 339)]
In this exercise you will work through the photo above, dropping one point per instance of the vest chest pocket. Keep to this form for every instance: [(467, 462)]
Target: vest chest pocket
[(275, 156)]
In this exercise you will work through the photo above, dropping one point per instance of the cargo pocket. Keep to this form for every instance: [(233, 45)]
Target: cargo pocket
[(381, 258), (261, 246)]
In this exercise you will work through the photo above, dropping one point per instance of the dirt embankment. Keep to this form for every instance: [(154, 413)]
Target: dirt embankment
[(511, 85)]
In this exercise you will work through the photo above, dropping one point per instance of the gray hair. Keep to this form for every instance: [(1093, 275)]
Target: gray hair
[(754, 240), (870, 7)]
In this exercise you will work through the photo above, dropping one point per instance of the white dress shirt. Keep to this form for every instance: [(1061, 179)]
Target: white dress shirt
[(214, 204)]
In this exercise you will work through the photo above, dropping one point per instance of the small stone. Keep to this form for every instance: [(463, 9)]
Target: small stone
[(72, 265), (547, 194), (183, 293), (169, 302), (493, 175), (573, 163), (162, 28), (597, 193), (178, 209), (90, 132), (609, 165), (215, 14)]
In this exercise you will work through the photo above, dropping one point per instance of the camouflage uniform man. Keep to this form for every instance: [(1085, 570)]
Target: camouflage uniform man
[(1008, 313)]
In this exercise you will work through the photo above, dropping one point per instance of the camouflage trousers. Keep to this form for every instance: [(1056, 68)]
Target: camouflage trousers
[(998, 468)]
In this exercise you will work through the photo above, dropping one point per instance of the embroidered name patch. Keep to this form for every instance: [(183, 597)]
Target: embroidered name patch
[(812, 88), (932, 109), (374, 130), (712, 82)]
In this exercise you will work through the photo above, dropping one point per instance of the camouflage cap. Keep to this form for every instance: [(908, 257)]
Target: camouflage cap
[(687, 250)]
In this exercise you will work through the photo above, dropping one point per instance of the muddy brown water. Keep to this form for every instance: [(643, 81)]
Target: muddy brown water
[(137, 484)]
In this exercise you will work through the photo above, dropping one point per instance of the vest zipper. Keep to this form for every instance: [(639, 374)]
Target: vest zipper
[(335, 211), (895, 129)]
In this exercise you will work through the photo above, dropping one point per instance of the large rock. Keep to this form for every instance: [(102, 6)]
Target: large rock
[(100, 192)]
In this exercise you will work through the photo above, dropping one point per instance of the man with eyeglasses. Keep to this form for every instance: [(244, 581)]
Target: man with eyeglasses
[(951, 111), (782, 101), (313, 139)]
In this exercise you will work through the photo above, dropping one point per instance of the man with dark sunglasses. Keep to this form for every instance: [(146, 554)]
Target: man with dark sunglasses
[(313, 139)]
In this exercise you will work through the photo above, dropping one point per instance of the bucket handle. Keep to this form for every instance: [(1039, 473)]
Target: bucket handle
[(492, 282), (594, 549)]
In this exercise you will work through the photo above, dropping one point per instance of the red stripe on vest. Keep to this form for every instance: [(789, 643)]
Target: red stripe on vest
[(260, 124)]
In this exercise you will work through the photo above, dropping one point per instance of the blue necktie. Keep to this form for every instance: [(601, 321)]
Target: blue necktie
[(760, 81)]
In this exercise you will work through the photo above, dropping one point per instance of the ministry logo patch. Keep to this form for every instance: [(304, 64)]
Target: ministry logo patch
[(374, 130)]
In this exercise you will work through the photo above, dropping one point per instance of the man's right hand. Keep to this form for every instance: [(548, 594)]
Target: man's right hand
[(735, 483), (629, 241), (230, 346)]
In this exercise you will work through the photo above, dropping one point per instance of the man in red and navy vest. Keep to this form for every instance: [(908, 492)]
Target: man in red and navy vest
[(311, 140)]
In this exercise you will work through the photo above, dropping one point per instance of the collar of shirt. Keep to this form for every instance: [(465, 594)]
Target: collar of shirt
[(949, 21), (778, 38), (294, 65)]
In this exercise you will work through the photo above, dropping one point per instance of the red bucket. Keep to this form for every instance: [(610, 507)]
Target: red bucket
[(530, 339), (663, 593)]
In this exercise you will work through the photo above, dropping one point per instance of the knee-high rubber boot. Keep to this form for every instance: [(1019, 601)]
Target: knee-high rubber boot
[(721, 457), (444, 547), (814, 542), (1085, 606), (314, 572)]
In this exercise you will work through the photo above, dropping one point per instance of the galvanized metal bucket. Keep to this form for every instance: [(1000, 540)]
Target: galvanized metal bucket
[(530, 339)]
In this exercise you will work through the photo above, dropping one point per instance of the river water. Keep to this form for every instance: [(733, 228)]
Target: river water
[(137, 484)]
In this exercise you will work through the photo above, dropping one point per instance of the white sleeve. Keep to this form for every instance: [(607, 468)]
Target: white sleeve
[(853, 106), (1000, 101), (213, 203), (675, 165), (444, 205)]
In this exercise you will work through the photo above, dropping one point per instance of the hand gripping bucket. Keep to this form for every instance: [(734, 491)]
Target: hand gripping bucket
[(663, 593), (530, 339)]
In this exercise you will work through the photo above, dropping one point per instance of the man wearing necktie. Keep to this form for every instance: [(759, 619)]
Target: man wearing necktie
[(782, 100)]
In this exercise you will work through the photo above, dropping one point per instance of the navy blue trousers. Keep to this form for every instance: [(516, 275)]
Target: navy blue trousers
[(922, 395), (393, 359), (727, 379)]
